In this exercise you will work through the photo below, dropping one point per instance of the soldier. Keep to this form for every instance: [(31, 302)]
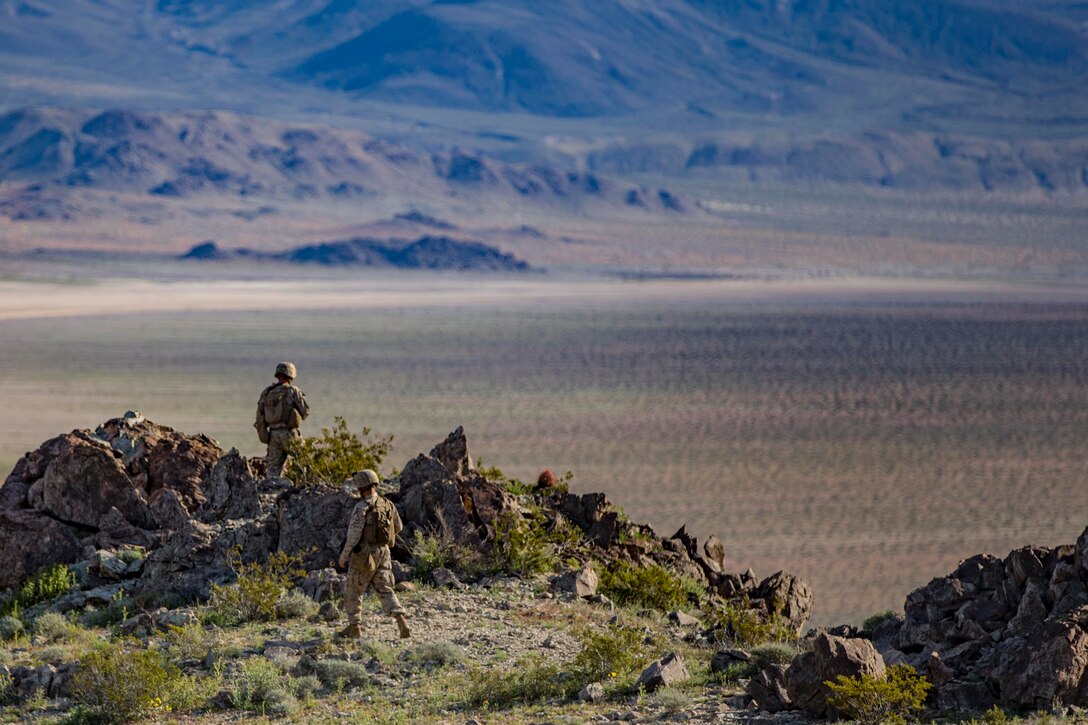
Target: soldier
[(374, 526), (280, 411)]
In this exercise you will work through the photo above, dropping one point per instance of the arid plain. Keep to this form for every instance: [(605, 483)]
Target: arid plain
[(866, 435)]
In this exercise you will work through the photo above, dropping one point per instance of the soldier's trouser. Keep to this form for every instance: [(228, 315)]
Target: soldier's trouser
[(370, 569), (279, 443)]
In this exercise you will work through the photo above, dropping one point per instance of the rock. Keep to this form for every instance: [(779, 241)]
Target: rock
[(13, 494), (937, 671), (714, 553), (165, 618), (401, 572), (323, 584), (195, 557), (667, 671), (829, 657), (114, 529), (168, 509), (602, 601), (443, 577), (453, 453), (1047, 666), (434, 506), (61, 684), (579, 582), (230, 490), (329, 611), (30, 541), (404, 587), (314, 522), (787, 596), (165, 457), (682, 619), (138, 625), (485, 502), (1026, 563), (965, 697), (768, 689), (110, 566), (67, 495), (29, 681), (593, 692), (724, 659)]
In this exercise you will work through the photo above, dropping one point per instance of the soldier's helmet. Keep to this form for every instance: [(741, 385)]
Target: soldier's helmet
[(365, 479), (287, 369)]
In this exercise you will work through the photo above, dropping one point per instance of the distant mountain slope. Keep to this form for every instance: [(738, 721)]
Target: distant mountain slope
[(213, 153)]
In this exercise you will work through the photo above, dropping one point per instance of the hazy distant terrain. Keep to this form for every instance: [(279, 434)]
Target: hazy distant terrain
[(865, 439)]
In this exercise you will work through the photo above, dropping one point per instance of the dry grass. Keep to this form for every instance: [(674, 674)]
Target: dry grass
[(865, 444)]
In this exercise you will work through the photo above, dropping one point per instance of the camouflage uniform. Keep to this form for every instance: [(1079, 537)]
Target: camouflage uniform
[(281, 426), (369, 567)]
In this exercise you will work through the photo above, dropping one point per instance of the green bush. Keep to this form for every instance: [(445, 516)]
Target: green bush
[(334, 455), (650, 587), (874, 620), (608, 654), (531, 679), (259, 587), (738, 624), (7, 688), (47, 584), (53, 626), (432, 551), (520, 548), (119, 682), (115, 612), (10, 627), (433, 655), (337, 674), (893, 698), (772, 653), (262, 685), (672, 700), (295, 605)]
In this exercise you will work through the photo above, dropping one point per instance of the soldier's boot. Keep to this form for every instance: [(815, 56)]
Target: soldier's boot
[(402, 625), (353, 631)]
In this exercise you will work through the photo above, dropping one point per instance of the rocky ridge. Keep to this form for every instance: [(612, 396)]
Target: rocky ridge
[(1012, 631)]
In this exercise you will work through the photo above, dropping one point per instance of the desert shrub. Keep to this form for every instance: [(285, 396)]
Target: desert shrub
[(379, 651), (334, 455), (651, 587), (52, 626), (119, 682), (339, 674), (131, 553), (7, 688), (258, 588), (115, 612), (737, 623), (672, 700), (496, 476), (432, 551), (434, 655), (186, 643), (11, 627), (262, 685), (608, 654), (295, 605), (994, 716), (874, 620), (49, 583), (772, 653), (191, 692), (521, 547), (870, 700), (531, 679)]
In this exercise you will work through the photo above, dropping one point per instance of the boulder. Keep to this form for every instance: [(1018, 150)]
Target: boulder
[(486, 502), (828, 658), (443, 577), (323, 584), (29, 681), (162, 456), (768, 689), (314, 522), (579, 582), (30, 541), (1047, 665), (593, 692), (168, 509), (230, 490), (667, 671), (453, 454), (85, 480), (787, 596), (13, 494), (682, 619), (726, 658), (195, 557), (436, 507)]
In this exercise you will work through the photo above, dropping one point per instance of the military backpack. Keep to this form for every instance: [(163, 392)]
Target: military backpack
[(381, 524), (279, 407)]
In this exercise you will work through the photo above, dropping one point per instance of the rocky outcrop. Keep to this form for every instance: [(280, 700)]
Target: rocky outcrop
[(828, 658), (30, 541), (313, 523)]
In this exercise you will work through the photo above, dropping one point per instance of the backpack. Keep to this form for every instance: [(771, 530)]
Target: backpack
[(279, 407), (382, 523)]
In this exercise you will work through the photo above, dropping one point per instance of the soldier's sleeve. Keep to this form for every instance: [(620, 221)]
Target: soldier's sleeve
[(301, 404), (355, 529)]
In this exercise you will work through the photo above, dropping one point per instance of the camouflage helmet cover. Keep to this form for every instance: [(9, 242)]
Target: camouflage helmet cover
[(287, 369), (365, 479)]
